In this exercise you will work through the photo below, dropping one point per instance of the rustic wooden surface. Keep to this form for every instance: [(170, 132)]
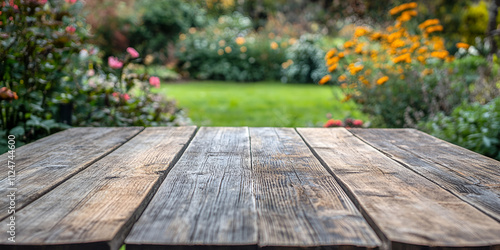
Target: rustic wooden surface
[(299, 203), (247, 188), (99, 204), (207, 197), (405, 207), (43, 165), (468, 175)]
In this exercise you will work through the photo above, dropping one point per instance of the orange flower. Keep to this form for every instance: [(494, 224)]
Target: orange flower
[(402, 7), (330, 53), (360, 31), (440, 54), (347, 98), (228, 49), (382, 80), (348, 44), (332, 60), (428, 23), (342, 78), (240, 40), (341, 55), (432, 29), (375, 36), (462, 45), (404, 57), (333, 67), (325, 79), (274, 45)]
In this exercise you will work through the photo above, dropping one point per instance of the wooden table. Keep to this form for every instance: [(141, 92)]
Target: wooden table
[(236, 188)]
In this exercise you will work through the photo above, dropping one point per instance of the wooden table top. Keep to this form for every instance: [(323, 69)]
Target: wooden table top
[(239, 187)]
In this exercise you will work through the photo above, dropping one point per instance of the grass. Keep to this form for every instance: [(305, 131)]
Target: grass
[(214, 103)]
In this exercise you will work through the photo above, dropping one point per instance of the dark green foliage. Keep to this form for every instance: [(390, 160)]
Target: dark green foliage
[(473, 126), (308, 62)]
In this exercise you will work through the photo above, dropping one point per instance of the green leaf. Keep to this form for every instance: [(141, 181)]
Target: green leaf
[(17, 131)]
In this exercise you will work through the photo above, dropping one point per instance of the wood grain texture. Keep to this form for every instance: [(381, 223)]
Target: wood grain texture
[(470, 176), (46, 163), (98, 205), (298, 202), (206, 198), (408, 209)]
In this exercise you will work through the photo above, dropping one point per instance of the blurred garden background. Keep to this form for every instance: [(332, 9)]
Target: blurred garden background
[(431, 65)]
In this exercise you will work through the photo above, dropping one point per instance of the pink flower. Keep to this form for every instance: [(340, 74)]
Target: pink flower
[(133, 53), (70, 29), (70, 1), (115, 94), (126, 97), (358, 123), (42, 2), (154, 81), (114, 63)]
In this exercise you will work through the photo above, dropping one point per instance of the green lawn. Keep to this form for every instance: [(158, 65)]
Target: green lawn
[(213, 103)]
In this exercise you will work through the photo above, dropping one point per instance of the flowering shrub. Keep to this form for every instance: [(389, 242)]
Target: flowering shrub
[(116, 96), (37, 40), (401, 74), (229, 50)]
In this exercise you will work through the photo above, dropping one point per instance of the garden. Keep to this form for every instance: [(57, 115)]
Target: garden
[(428, 65)]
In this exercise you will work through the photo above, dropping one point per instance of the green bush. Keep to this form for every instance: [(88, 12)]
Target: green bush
[(229, 50), (473, 126), (306, 62), (38, 39)]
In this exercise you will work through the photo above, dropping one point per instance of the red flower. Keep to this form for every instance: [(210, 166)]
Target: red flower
[(70, 29), (333, 123), (133, 53), (114, 63), (70, 1), (42, 2), (154, 81)]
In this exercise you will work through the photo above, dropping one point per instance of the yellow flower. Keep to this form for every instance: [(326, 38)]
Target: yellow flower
[(240, 40), (222, 43), (325, 79), (182, 37), (243, 49), (220, 52), (462, 45), (228, 49), (382, 80), (333, 67), (192, 30), (274, 45)]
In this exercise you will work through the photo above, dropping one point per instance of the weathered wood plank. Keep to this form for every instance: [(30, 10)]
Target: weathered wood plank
[(470, 176), (46, 163), (98, 205), (298, 202), (206, 198), (406, 207)]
